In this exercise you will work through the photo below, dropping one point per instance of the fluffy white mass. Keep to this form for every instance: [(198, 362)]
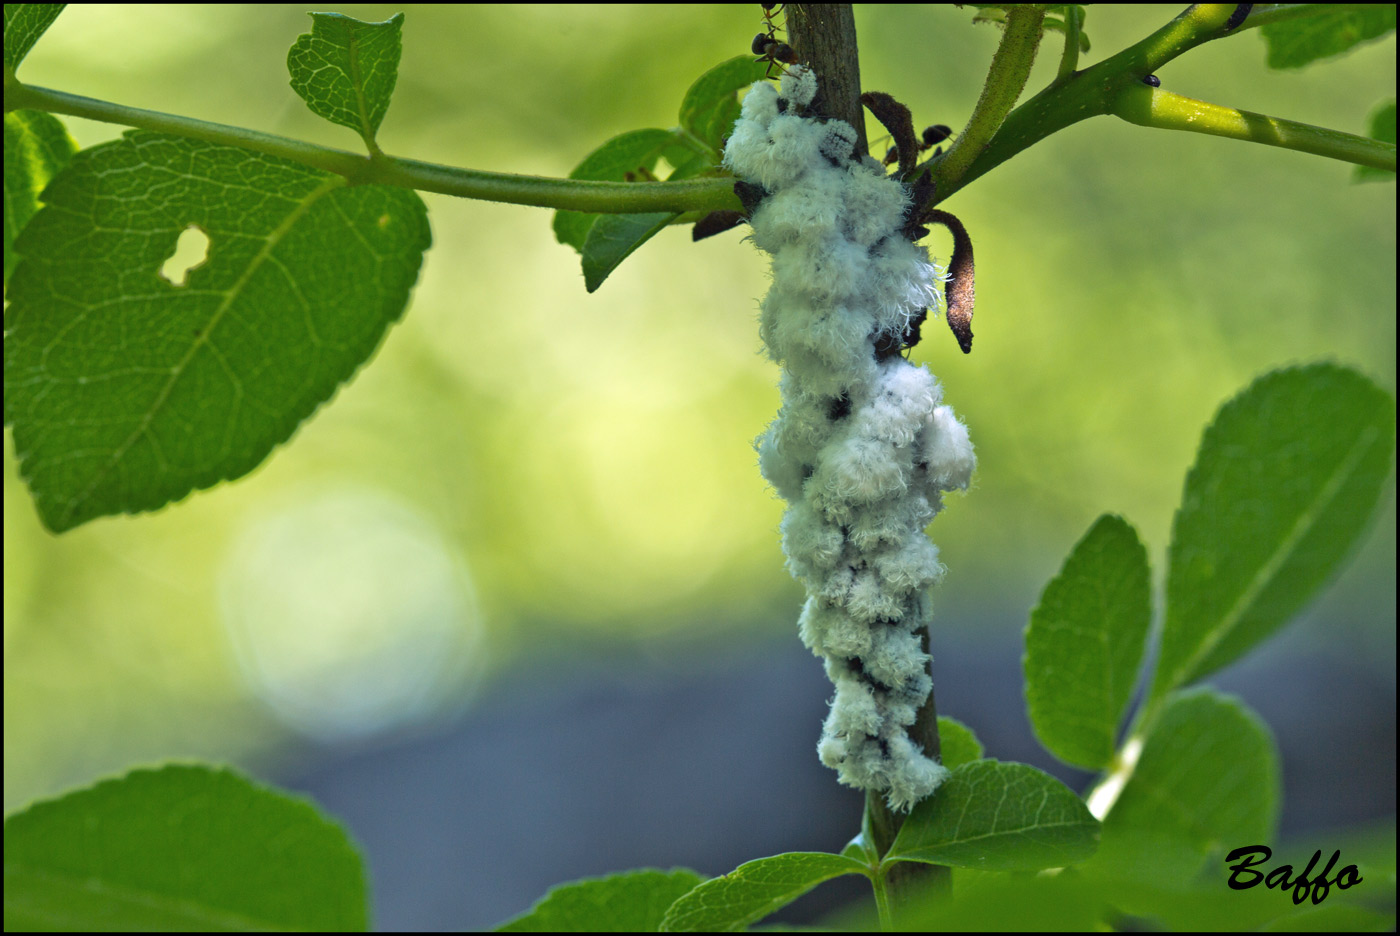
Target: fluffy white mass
[(863, 448)]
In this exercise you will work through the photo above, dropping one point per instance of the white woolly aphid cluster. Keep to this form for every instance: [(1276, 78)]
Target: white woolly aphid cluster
[(861, 449)]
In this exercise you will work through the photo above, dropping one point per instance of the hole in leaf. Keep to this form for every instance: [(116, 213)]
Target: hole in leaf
[(191, 251)]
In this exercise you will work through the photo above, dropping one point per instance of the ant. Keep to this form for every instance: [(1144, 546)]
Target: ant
[(766, 45), (932, 136)]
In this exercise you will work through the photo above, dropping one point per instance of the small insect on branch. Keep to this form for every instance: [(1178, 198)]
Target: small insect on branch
[(766, 45)]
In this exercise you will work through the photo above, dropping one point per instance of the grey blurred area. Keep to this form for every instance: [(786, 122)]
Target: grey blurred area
[(584, 765)]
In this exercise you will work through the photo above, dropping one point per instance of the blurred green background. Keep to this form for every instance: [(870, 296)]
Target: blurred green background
[(524, 468)]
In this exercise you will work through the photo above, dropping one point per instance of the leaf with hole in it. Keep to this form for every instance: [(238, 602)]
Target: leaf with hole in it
[(1084, 643), (994, 816), (1206, 781), (629, 902), (754, 890), (957, 743), (345, 69), (126, 391), (1285, 482), (37, 146), (180, 848), (24, 24), (1324, 31), (1380, 126)]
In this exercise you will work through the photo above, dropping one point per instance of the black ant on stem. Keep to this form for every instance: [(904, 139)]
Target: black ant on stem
[(766, 45), (932, 136)]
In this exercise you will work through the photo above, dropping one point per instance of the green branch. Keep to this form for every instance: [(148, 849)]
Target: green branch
[(698, 195), (1154, 107), (1116, 82), (1069, 59), (1006, 79)]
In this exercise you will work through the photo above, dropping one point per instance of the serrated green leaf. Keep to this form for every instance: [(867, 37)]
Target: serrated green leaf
[(127, 392), (1286, 480), (37, 146), (1325, 32), (711, 104), (957, 743), (181, 848), (628, 902), (995, 816), (754, 890), (1206, 781), (610, 163), (24, 24), (345, 69), (612, 238), (1381, 126), (1084, 643)]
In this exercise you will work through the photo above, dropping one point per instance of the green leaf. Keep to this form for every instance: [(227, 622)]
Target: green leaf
[(24, 24), (37, 146), (610, 163), (1285, 482), (1203, 905), (1206, 781), (629, 902), (957, 743), (1334, 918), (612, 239), (754, 890), (180, 848), (345, 70), (686, 163), (1007, 903), (711, 104), (127, 392), (1327, 31), (995, 816), (1084, 643), (1381, 126)]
